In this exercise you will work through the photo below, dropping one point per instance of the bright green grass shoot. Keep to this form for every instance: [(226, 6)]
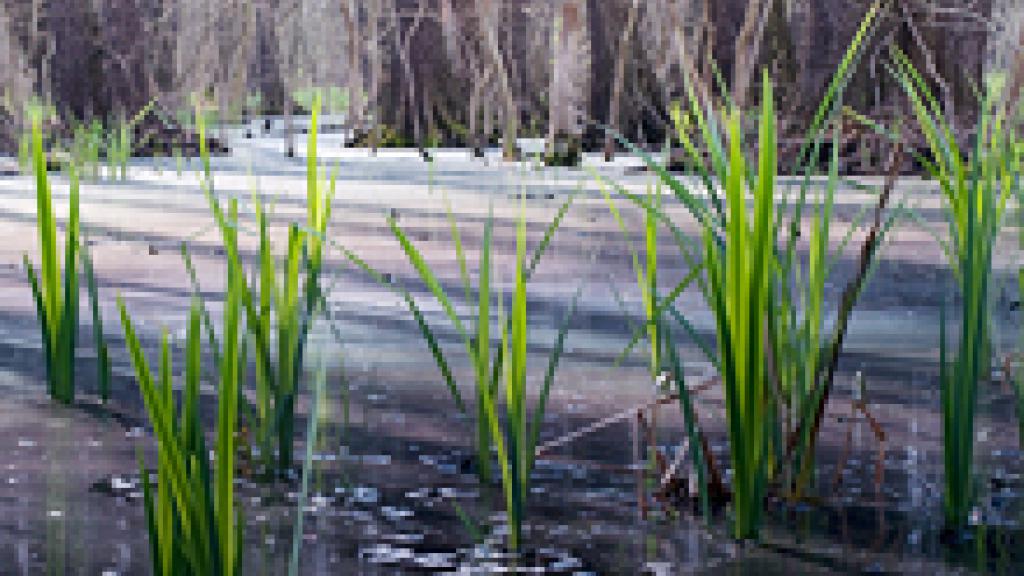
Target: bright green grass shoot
[(739, 261), (976, 185), (646, 270), (291, 303), (274, 393), (477, 343), (194, 525), (795, 326), (739, 275), (86, 145), (99, 340), (516, 447), (749, 283), (307, 468), (55, 291)]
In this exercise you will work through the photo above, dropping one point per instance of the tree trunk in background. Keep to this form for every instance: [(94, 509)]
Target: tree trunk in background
[(374, 10), (355, 66), (568, 88), (625, 50), (747, 49), (15, 84), (489, 15), (265, 64), (1006, 49)]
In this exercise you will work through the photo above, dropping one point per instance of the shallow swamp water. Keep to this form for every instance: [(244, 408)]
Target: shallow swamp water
[(393, 486)]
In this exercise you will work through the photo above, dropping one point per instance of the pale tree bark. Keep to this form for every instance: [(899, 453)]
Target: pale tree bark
[(488, 13), (624, 51), (410, 101), (1007, 52), (374, 13), (290, 36), (481, 78), (748, 49), (568, 86), (15, 81), (355, 67), (196, 56), (930, 67)]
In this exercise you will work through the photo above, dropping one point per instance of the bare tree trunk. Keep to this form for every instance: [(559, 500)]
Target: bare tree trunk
[(748, 48), (16, 85), (624, 50), (930, 65), (1016, 81), (489, 16), (289, 130), (410, 102), (688, 50), (376, 70), (488, 118), (569, 87), (481, 78), (355, 68), (428, 113)]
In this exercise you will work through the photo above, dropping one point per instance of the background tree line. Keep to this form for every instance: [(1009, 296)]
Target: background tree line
[(466, 72)]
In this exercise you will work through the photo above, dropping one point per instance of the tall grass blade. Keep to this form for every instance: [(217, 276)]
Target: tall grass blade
[(102, 354), (307, 465)]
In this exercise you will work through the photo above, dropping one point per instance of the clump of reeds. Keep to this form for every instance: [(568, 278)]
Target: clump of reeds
[(768, 328), (194, 525), (290, 303), (87, 147), (56, 289), (976, 185), (515, 446), (739, 275)]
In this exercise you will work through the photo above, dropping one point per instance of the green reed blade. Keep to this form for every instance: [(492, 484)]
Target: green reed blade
[(69, 324), (197, 293), (976, 189), (226, 424), (435, 351), (102, 353), (44, 323), (49, 273), (155, 548), (692, 429), (158, 412), (549, 234), (427, 276), (460, 254), (663, 305), (691, 331), (307, 465), (482, 348), (686, 197), (557, 349), (164, 511), (842, 76)]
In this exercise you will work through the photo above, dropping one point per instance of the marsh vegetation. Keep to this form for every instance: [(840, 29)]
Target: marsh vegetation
[(719, 351)]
